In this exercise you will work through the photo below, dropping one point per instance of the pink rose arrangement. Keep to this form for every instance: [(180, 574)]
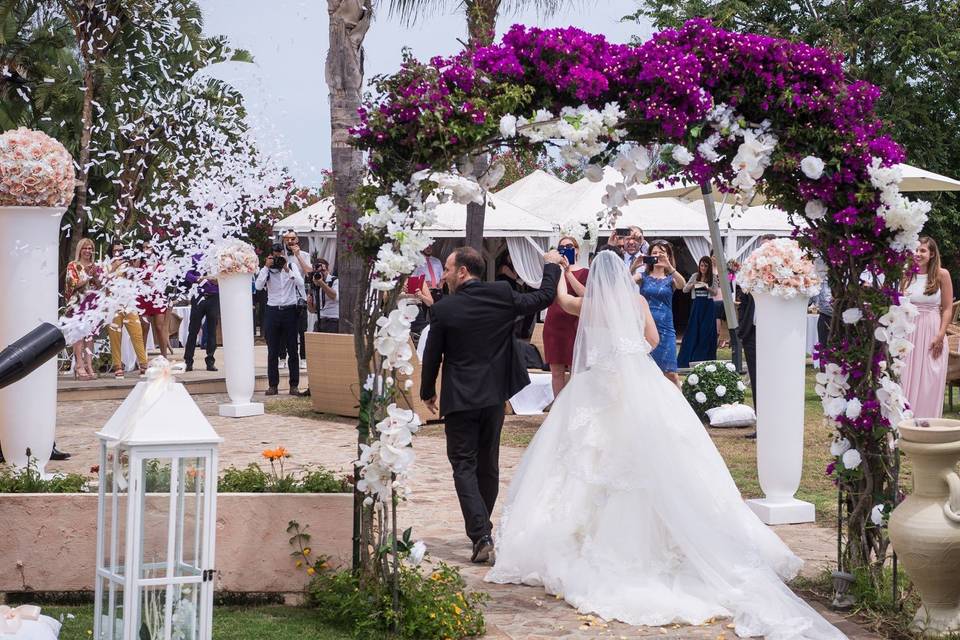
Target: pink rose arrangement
[(35, 170), (236, 256), (779, 268)]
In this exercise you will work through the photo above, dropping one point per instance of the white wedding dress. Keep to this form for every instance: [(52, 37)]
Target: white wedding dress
[(623, 506)]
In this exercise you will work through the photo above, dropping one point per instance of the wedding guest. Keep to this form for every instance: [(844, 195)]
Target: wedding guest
[(632, 250), (282, 285), (747, 332), (924, 377), (324, 298), (154, 306), (126, 318), (657, 286), (299, 260), (432, 273), (560, 327), (700, 340), (823, 301), (81, 291), (204, 306)]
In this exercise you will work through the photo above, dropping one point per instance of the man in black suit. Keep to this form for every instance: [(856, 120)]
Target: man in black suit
[(471, 332)]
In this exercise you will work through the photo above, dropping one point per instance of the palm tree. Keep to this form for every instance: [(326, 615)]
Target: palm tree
[(349, 22), (481, 28)]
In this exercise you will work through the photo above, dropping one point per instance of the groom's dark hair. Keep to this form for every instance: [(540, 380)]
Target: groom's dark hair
[(471, 259)]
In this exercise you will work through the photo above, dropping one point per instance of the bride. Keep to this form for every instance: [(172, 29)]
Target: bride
[(623, 506)]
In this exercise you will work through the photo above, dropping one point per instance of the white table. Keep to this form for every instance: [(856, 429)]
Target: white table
[(127, 353), (535, 397), (184, 314)]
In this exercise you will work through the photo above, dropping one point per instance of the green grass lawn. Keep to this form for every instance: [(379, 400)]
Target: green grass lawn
[(229, 623)]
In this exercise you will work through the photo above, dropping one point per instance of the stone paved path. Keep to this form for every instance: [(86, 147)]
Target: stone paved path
[(514, 612)]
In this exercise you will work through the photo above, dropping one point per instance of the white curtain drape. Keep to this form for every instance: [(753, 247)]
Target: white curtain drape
[(326, 248), (698, 246), (745, 246), (527, 256)]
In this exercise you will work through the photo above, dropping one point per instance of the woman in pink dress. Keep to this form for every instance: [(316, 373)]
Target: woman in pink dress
[(925, 375), (560, 328)]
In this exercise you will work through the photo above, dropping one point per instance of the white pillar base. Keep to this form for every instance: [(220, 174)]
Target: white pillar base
[(790, 511), (241, 409)]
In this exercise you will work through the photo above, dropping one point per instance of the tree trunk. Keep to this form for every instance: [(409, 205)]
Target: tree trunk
[(78, 226), (349, 21), (481, 27)]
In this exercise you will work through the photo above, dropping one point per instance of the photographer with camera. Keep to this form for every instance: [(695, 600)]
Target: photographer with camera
[(324, 298), (283, 283), (299, 260)]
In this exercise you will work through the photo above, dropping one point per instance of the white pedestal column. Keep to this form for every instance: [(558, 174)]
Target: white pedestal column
[(29, 239), (781, 362), (236, 321)]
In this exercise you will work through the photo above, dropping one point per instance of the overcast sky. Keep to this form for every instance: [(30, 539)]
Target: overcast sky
[(285, 91)]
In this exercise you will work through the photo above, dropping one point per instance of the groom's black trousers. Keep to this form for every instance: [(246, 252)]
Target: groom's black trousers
[(473, 448)]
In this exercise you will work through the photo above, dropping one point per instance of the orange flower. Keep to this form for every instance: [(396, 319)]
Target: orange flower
[(275, 454)]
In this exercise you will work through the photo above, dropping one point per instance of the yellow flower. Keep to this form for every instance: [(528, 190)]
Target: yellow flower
[(306, 551), (311, 571), (457, 610), (299, 563)]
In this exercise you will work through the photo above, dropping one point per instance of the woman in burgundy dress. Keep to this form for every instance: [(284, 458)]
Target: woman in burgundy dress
[(560, 328)]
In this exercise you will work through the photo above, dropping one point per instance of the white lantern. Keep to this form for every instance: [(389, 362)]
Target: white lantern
[(156, 516)]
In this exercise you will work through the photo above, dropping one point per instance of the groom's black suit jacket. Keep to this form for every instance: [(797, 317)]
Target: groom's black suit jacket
[(471, 331)]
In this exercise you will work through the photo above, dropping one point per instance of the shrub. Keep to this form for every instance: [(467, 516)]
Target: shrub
[(434, 605), (29, 480), (253, 479), (711, 384)]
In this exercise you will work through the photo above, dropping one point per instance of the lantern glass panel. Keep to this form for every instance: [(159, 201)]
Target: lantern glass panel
[(155, 516), (189, 543), (111, 598), (179, 603), (116, 482)]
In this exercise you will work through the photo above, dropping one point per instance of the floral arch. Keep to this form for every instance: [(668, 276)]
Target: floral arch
[(743, 111)]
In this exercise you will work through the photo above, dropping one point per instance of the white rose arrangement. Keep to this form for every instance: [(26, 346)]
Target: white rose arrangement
[(711, 384)]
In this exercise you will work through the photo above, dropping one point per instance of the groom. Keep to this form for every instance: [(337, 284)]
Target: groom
[(472, 334)]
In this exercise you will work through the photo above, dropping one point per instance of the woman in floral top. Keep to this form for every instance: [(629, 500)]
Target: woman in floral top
[(81, 291)]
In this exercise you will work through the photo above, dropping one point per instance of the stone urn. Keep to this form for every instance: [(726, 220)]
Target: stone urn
[(925, 527)]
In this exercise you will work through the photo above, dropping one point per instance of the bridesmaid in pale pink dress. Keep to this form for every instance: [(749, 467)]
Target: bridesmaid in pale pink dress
[(924, 377)]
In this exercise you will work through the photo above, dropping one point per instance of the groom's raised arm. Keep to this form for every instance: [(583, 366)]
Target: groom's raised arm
[(536, 301), (432, 355)]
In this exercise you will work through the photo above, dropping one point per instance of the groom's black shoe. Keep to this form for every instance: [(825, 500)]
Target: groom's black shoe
[(482, 550)]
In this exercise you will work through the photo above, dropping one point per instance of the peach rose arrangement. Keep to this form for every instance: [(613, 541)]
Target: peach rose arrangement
[(35, 170), (781, 269), (236, 256)]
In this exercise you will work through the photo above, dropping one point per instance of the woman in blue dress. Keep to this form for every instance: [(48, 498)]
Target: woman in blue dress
[(700, 340), (657, 285)]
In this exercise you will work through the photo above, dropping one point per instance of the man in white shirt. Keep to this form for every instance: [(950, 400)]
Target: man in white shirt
[(432, 272), (634, 248), (324, 298), (282, 282), (431, 269)]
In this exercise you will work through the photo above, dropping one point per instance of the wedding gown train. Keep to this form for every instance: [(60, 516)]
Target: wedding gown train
[(623, 506)]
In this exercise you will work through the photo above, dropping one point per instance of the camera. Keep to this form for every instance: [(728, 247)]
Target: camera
[(650, 261), (278, 260)]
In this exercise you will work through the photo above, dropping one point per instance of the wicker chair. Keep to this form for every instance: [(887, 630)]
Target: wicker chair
[(953, 362)]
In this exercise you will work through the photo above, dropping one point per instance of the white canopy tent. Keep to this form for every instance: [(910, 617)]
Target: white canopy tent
[(525, 235), (533, 189), (657, 216)]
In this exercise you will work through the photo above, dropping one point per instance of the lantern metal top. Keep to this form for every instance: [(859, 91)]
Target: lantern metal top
[(159, 411)]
